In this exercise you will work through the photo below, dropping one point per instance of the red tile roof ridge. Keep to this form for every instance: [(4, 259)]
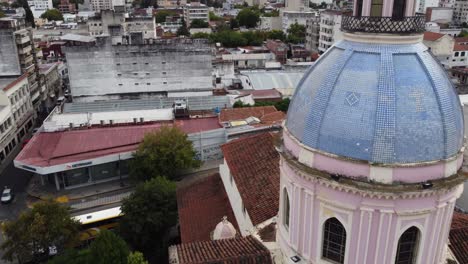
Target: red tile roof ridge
[(13, 83), (431, 36)]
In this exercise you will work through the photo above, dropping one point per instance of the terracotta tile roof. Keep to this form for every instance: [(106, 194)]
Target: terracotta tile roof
[(233, 114), (461, 39), (246, 250), (201, 207), (458, 47), (432, 36), (458, 237), (273, 118), (254, 165)]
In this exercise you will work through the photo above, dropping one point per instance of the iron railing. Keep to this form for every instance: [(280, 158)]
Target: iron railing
[(391, 25)]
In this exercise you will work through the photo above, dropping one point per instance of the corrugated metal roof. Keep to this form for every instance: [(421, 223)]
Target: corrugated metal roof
[(194, 103), (272, 79)]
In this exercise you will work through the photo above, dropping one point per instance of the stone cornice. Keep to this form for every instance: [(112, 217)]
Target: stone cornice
[(373, 189)]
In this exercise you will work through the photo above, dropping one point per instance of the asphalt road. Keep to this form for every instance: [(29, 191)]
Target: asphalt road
[(17, 180)]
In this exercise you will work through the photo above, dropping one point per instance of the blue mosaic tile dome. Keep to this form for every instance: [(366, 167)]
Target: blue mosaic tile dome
[(380, 103)]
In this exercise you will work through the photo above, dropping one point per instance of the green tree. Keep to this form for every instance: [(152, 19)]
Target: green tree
[(52, 15), (296, 33), (148, 213), (252, 38), (162, 14), (200, 35), (199, 23), (183, 30), (136, 258), (108, 248), (463, 33), (276, 34), (214, 17), (47, 224), (248, 18), (163, 153), (229, 38), (71, 256), (234, 23), (2, 14)]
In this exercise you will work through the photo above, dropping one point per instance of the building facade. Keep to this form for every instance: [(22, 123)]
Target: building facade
[(330, 33), (195, 10), (313, 34), (16, 114), (139, 71), (370, 157), (98, 5), (38, 7), (296, 17), (460, 11), (440, 45), (18, 54)]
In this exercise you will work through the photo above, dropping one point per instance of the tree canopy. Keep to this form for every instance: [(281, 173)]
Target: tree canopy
[(108, 248), (276, 34), (183, 30), (199, 23), (52, 15), (162, 14), (148, 213), (296, 33), (47, 224), (282, 105), (248, 17), (136, 258), (163, 153)]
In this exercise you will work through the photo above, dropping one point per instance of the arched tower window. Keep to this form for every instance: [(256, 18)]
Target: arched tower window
[(407, 246), (399, 7), (376, 8), (286, 208), (334, 241)]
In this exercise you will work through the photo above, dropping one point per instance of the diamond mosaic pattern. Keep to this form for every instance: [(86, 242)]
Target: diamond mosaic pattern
[(380, 103)]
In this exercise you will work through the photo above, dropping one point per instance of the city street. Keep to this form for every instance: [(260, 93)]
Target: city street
[(17, 180)]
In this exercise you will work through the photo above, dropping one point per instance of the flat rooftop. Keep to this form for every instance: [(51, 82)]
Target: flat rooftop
[(194, 103)]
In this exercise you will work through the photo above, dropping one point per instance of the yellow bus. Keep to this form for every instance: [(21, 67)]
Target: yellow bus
[(92, 223)]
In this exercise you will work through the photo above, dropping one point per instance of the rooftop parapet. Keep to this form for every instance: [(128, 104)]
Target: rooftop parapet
[(387, 25)]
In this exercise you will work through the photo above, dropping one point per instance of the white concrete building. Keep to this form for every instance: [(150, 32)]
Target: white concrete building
[(38, 7), (459, 56), (330, 24), (16, 113), (299, 17), (440, 45), (439, 14), (98, 5), (271, 23), (196, 10), (422, 5), (296, 5), (313, 34)]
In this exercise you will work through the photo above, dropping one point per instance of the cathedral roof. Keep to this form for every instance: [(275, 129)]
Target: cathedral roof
[(381, 103)]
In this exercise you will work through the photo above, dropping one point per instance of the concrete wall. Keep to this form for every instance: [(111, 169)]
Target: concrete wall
[(242, 216), (9, 61), (142, 69)]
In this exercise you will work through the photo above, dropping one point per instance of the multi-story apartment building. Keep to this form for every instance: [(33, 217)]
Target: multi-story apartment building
[(196, 10), (460, 11), (53, 84), (447, 3), (18, 54), (65, 7), (293, 17), (422, 5), (98, 5), (313, 34), (38, 7), (120, 27), (16, 113), (330, 24), (296, 5)]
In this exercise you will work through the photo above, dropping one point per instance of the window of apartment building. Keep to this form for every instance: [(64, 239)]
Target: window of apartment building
[(462, 54), (164, 82), (12, 101), (456, 54), (164, 73)]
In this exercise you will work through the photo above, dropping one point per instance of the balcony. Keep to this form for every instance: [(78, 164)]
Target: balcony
[(21, 39), (388, 25), (24, 50), (24, 60)]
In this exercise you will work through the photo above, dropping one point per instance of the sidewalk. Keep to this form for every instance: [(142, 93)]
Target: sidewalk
[(99, 190)]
